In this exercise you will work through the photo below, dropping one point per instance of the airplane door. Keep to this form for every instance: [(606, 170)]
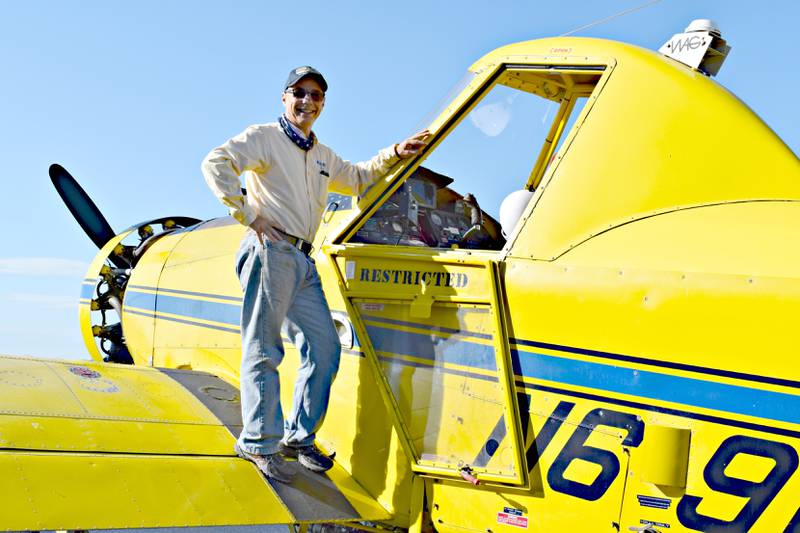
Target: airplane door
[(432, 325), (419, 266)]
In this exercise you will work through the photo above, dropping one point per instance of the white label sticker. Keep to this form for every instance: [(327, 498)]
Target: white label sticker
[(514, 519), (349, 269)]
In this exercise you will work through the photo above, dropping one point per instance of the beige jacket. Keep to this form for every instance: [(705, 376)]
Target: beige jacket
[(284, 183)]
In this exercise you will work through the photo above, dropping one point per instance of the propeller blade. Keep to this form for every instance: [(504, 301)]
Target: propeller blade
[(81, 206)]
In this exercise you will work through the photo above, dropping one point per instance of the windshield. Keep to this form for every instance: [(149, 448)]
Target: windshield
[(445, 101), (499, 150)]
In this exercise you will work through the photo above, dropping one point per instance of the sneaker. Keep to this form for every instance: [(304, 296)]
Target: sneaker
[(309, 456), (271, 465)]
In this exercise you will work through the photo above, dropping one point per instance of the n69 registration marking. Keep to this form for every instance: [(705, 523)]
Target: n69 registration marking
[(759, 494)]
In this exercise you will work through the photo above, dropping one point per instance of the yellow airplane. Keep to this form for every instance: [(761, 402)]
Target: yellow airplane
[(616, 351)]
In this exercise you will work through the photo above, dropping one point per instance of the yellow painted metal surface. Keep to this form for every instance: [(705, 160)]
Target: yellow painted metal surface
[(187, 327), (87, 491), (359, 428), (138, 321), (363, 503), (662, 316), (675, 340), (540, 507), (710, 498), (75, 406), (678, 317), (411, 273), (610, 175), (665, 456), (445, 364), (143, 449), (724, 238)]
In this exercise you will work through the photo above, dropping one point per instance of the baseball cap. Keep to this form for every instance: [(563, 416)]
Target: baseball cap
[(299, 73)]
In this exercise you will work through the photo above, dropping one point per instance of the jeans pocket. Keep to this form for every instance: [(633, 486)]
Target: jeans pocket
[(244, 253)]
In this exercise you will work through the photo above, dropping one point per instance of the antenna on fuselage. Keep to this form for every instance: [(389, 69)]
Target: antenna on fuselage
[(609, 18), (700, 47)]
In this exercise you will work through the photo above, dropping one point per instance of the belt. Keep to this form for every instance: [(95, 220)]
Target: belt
[(297, 242)]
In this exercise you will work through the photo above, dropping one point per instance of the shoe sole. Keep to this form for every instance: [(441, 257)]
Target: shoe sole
[(244, 456)]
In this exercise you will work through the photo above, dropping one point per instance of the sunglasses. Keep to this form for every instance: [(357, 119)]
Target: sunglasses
[(299, 93)]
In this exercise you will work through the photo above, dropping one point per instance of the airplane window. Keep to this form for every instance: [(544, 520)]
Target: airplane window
[(454, 91), (504, 143)]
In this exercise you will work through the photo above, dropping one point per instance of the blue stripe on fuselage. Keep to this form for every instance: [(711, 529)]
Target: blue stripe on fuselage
[(528, 362), (140, 300), (663, 387), (453, 350), (164, 290), (429, 327), (189, 307), (184, 321), (202, 309)]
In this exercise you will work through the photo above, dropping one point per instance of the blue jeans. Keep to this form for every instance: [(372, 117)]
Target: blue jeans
[(282, 290)]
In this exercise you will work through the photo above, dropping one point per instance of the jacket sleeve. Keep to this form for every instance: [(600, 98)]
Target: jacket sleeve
[(350, 178), (223, 166)]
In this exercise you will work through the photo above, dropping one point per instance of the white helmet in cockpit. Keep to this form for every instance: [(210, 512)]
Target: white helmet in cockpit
[(511, 210)]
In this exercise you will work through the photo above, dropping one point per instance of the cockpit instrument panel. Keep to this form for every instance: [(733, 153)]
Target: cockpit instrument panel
[(425, 212)]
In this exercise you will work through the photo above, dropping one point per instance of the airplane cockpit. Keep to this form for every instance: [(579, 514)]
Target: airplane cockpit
[(426, 212), (500, 149)]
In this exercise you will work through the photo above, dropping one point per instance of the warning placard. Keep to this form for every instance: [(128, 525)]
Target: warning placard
[(512, 519)]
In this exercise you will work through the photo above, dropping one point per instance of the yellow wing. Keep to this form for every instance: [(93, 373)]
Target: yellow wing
[(99, 446)]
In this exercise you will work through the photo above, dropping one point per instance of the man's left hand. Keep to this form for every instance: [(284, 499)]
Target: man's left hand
[(413, 145)]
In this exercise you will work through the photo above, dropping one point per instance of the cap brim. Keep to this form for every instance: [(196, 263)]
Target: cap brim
[(316, 77)]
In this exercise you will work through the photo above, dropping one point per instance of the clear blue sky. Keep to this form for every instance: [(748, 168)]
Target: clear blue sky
[(130, 96)]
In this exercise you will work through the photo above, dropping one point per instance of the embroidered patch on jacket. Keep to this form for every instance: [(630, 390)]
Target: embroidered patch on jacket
[(323, 168)]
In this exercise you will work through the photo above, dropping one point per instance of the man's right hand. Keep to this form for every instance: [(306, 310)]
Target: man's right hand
[(265, 228)]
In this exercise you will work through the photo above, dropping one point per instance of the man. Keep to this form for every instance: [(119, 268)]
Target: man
[(288, 174)]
